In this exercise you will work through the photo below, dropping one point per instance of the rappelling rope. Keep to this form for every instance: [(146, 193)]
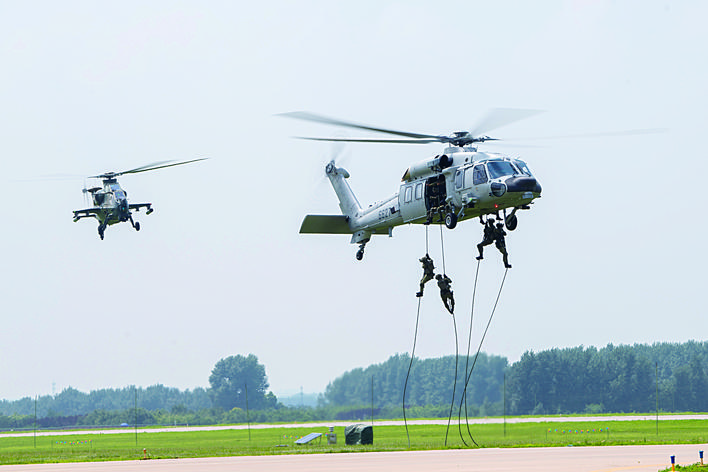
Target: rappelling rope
[(410, 365), (454, 384), (442, 247), (454, 324), (467, 359), (405, 385), (469, 375)]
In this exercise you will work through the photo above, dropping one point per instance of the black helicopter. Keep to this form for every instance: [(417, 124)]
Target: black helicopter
[(111, 201)]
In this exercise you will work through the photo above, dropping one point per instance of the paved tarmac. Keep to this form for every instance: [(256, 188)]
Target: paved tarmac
[(559, 459)]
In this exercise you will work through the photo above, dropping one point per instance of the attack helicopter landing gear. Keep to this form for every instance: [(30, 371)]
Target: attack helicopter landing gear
[(136, 224), (101, 230)]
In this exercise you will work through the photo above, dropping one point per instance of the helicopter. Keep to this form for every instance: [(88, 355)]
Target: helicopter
[(111, 201), (457, 185)]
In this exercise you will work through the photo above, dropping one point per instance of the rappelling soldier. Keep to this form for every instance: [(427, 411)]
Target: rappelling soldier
[(445, 292), (428, 273), (499, 234), (488, 237)]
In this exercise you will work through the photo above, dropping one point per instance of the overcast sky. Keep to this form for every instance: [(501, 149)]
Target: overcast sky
[(613, 252)]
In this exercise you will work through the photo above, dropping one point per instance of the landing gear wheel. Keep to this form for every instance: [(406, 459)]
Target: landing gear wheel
[(100, 232), (360, 254), (137, 226), (511, 222), (450, 220)]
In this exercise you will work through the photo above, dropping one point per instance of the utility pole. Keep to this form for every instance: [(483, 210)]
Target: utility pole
[(35, 421), (135, 390), (504, 404), (248, 418)]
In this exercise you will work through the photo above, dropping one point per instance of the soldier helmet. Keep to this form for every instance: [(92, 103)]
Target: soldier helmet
[(438, 276), (500, 225)]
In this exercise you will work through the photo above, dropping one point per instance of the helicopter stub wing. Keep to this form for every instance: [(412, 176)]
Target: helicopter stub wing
[(88, 213), (325, 224)]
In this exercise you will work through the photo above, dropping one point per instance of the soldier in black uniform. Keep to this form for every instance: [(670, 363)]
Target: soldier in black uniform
[(445, 292), (499, 234), (488, 238), (428, 273)]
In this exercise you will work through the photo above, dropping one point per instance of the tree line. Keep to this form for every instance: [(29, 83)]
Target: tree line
[(617, 379), (613, 379)]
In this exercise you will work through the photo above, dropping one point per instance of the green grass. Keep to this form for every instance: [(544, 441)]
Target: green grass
[(109, 447)]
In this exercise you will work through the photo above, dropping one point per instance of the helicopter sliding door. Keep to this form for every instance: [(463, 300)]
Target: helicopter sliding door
[(411, 201)]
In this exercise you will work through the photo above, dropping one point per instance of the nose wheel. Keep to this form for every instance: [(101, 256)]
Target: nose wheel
[(101, 230)]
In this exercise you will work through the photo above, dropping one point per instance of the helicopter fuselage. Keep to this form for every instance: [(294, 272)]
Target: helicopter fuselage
[(110, 206), (460, 184)]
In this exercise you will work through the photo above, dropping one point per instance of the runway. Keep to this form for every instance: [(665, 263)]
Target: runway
[(495, 420), (559, 459)]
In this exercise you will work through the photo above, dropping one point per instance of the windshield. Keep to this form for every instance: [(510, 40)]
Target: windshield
[(523, 167), (500, 169)]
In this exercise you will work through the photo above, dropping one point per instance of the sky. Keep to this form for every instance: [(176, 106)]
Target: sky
[(612, 252)]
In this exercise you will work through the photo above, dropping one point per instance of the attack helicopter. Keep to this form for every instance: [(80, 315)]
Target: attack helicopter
[(457, 185), (111, 201)]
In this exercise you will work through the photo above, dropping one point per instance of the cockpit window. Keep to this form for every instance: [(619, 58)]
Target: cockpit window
[(523, 167), (120, 194), (500, 169)]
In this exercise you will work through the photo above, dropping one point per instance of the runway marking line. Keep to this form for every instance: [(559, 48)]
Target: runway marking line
[(629, 467)]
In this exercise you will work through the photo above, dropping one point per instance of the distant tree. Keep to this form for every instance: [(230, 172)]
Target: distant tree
[(230, 379)]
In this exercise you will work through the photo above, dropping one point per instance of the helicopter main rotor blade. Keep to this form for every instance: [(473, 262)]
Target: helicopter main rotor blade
[(374, 140), (498, 117), (629, 132), (303, 115)]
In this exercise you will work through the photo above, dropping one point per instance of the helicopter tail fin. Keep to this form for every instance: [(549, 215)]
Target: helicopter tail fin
[(347, 200), (325, 224)]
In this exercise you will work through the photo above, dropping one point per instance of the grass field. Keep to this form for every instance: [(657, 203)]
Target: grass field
[(109, 447)]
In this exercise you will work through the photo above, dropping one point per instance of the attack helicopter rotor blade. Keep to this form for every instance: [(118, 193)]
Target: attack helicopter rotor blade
[(374, 140), (498, 117), (303, 115), (159, 165)]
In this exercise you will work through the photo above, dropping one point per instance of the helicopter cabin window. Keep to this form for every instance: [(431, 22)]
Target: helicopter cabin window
[(523, 167), (500, 169), (478, 174), (419, 191), (458, 179), (408, 195)]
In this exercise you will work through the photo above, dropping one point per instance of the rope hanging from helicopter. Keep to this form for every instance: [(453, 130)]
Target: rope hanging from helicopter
[(410, 364), (468, 372), (457, 355), (468, 375), (467, 358)]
